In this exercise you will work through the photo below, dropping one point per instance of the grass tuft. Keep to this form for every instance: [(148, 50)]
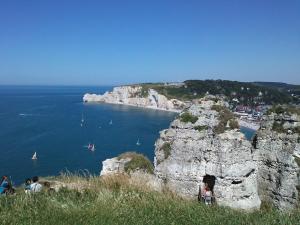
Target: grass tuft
[(137, 162)]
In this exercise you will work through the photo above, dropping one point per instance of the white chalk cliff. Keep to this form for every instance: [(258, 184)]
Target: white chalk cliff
[(194, 154), (192, 150), (134, 96), (187, 153)]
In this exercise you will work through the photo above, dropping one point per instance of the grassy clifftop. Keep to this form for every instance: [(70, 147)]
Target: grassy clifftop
[(115, 201), (246, 92)]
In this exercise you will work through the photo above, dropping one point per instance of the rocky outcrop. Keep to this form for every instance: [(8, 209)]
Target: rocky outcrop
[(203, 145), (117, 165), (137, 96), (187, 153), (278, 160), (113, 166), (190, 151)]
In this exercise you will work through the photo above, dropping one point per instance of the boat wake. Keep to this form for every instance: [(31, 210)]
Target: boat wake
[(25, 114)]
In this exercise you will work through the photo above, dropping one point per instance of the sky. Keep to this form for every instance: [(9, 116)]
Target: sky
[(74, 42)]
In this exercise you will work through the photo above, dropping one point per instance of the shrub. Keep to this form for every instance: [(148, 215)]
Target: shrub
[(138, 161), (224, 116), (234, 124), (217, 108), (187, 117), (278, 127), (200, 128), (166, 147)]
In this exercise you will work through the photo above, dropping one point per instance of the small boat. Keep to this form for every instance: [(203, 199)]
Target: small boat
[(110, 122), (92, 148), (34, 157), (82, 119), (138, 142)]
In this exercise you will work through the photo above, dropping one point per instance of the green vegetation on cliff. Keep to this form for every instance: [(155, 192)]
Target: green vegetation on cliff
[(115, 201), (225, 116), (245, 92), (137, 162)]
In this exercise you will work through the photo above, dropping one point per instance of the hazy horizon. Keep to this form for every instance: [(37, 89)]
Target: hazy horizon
[(119, 84), (124, 42)]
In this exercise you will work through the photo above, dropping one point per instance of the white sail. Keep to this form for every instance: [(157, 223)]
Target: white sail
[(93, 148), (34, 156), (110, 123), (138, 142)]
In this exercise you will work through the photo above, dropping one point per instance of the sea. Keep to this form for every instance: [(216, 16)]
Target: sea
[(48, 120)]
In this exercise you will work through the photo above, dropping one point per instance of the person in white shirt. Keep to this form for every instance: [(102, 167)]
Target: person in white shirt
[(35, 186)]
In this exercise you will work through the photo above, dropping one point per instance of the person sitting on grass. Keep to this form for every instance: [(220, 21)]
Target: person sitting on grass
[(4, 185), (27, 185), (206, 195), (35, 186)]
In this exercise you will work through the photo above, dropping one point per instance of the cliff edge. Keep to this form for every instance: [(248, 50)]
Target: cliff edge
[(137, 96)]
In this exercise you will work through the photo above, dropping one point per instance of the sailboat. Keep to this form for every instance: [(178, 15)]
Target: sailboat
[(110, 122), (138, 142), (34, 157), (92, 148)]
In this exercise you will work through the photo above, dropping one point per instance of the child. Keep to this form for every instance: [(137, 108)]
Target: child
[(207, 195), (27, 185)]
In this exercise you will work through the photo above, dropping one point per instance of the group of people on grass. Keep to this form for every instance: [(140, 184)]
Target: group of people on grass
[(32, 185)]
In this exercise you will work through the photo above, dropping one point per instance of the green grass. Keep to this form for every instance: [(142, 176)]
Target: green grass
[(109, 203), (187, 117), (137, 162)]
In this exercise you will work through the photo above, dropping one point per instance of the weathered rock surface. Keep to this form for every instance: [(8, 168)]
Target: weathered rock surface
[(132, 95), (197, 153), (277, 154), (186, 152), (189, 152), (113, 166), (116, 165)]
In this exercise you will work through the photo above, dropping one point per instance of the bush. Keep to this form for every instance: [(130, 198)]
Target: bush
[(234, 124), (200, 128), (166, 147), (187, 117), (224, 116), (137, 162), (278, 127), (217, 108)]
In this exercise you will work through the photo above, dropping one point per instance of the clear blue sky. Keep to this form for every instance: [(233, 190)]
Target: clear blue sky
[(115, 42)]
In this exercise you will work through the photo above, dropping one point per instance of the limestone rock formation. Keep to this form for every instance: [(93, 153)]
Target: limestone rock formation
[(113, 166), (189, 152), (117, 165), (278, 160), (193, 150), (135, 96)]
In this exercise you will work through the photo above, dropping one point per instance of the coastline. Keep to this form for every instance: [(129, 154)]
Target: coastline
[(248, 124), (133, 105)]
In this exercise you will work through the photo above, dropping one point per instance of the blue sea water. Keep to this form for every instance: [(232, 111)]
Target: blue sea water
[(46, 119)]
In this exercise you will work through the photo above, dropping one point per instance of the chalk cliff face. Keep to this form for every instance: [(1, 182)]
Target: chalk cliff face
[(277, 155), (186, 153), (192, 151), (133, 95)]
